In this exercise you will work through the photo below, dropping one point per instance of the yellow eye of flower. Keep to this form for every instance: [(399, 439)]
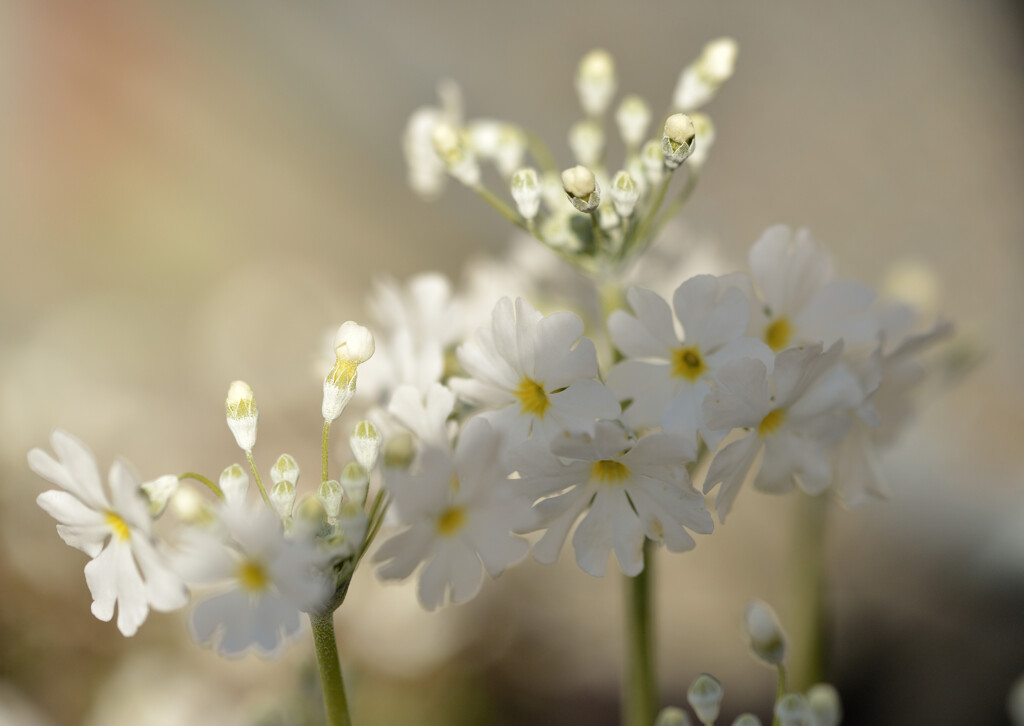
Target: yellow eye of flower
[(451, 521), (118, 525), (533, 399), (771, 423), (252, 576), (778, 334), (687, 363), (608, 471)]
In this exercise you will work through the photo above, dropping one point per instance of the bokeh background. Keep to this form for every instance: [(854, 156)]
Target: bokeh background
[(193, 192)]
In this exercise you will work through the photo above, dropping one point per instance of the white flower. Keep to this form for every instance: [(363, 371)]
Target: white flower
[(126, 569), (535, 372), (700, 81), (426, 417), (460, 510), (666, 375), (630, 489), (266, 580), (427, 173), (595, 81)]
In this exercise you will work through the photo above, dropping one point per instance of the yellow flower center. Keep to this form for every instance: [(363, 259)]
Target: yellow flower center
[(118, 525), (778, 334), (687, 363), (451, 521), (533, 399), (608, 471), (771, 423), (253, 576)]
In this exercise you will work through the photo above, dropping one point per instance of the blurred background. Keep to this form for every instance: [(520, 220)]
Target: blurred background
[(194, 192)]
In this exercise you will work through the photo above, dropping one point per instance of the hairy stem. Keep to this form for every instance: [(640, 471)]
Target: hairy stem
[(200, 478), (640, 698), (323, 450), (335, 701), (812, 643), (259, 480)]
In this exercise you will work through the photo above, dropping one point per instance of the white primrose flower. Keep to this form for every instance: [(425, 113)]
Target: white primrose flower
[(127, 567), (667, 375), (460, 509), (425, 417), (265, 579), (793, 409), (628, 488), (535, 374)]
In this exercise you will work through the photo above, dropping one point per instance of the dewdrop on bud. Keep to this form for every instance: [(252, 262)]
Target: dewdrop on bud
[(242, 414), (399, 452), (581, 188), (586, 139), (329, 494), (624, 193), (452, 149), (672, 716), (792, 710), (282, 496), (705, 697), (234, 483), (354, 482), (824, 705), (365, 444), (285, 469), (526, 192), (595, 82), (704, 132), (159, 492), (766, 637), (677, 141), (353, 343), (633, 116), (653, 161), (747, 719)]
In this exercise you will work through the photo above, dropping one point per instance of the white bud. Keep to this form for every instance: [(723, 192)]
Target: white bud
[(191, 508), (792, 710), (766, 637), (718, 60), (310, 510), (353, 342), (595, 82), (607, 219), (159, 492), (586, 139), (242, 414), (653, 161), (700, 81), (705, 697), (704, 132), (399, 452), (747, 719), (677, 141), (825, 707), (365, 444), (285, 469), (354, 481), (526, 191), (282, 496), (508, 155), (633, 116), (455, 153), (581, 188), (339, 389), (234, 483), (624, 193), (672, 716), (329, 494)]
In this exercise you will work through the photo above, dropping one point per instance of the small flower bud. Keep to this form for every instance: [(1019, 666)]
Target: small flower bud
[(455, 153), (339, 388), (825, 707), (365, 444), (310, 510), (329, 494), (624, 193), (747, 719), (704, 132), (595, 81), (242, 414), (526, 192), (234, 483), (586, 139), (718, 60), (191, 508), (159, 492), (792, 710), (353, 343), (677, 141), (672, 716), (700, 81), (282, 496), (653, 161), (581, 188), (705, 697), (508, 155), (399, 452), (766, 637), (354, 481), (633, 116), (285, 469)]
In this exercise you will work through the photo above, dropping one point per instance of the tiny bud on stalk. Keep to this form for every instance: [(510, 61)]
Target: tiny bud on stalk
[(581, 188), (526, 191), (624, 193), (159, 492), (595, 82), (633, 117), (677, 141), (365, 444), (705, 697), (234, 482), (672, 716), (285, 469), (766, 637)]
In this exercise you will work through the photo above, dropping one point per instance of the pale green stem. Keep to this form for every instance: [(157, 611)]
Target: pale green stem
[(502, 208), (678, 203), (539, 151), (809, 559), (640, 231), (780, 691), (640, 698), (259, 481), (323, 450), (200, 478), (335, 701)]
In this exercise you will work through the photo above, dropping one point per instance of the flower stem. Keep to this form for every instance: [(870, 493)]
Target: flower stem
[(811, 663), (200, 478), (259, 481), (503, 209), (780, 691), (323, 450), (640, 697), (335, 701)]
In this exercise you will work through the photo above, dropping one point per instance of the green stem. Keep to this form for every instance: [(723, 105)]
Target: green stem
[(809, 557), (503, 209), (259, 481), (640, 231), (640, 698), (780, 691), (200, 478), (335, 701), (539, 151), (678, 203), (323, 450)]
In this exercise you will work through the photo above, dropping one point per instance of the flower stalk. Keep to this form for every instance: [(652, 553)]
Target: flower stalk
[(331, 682), (812, 648), (640, 697)]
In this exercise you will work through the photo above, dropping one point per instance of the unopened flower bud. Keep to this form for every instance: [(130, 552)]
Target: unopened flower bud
[(282, 497), (653, 161), (526, 191), (234, 483), (704, 132), (633, 116), (766, 637), (310, 510), (509, 153), (285, 469), (354, 482), (329, 494), (672, 716), (747, 719), (705, 697), (581, 188), (242, 414), (339, 389), (792, 710), (677, 141), (191, 508), (624, 193), (825, 707), (353, 342), (365, 444), (700, 81), (586, 139), (595, 81), (452, 149), (399, 452), (718, 60), (159, 492)]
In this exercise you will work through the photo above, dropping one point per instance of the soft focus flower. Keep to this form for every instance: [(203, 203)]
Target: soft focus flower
[(700, 81), (427, 173), (766, 637)]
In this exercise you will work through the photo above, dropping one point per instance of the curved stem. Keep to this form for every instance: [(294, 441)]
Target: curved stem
[(539, 151), (640, 698), (503, 209), (809, 557), (323, 450), (259, 481), (335, 700), (202, 479)]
